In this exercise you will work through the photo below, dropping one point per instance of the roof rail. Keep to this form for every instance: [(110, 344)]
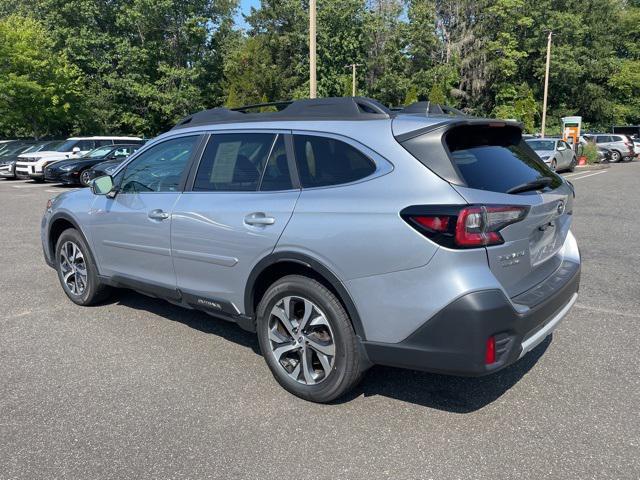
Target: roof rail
[(332, 108), (427, 108), (279, 106)]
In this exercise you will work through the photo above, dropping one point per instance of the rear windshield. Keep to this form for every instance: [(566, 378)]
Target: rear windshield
[(496, 159), (541, 145)]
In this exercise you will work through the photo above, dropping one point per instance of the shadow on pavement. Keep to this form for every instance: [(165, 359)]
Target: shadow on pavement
[(191, 318), (442, 392)]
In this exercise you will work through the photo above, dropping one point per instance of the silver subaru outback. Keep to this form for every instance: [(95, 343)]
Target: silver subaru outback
[(342, 233)]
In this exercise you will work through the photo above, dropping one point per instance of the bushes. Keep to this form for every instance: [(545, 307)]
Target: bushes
[(590, 152)]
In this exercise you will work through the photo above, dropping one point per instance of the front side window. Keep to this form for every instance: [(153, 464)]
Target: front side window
[(160, 168), (234, 162), (324, 161)]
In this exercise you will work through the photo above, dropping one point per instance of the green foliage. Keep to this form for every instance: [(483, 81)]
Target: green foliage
[(412, 96), (137, 66), (40, 90), (517, 104), (590, 152)]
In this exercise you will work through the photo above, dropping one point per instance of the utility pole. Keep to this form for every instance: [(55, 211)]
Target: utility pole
[(353, 67), (546, 84), (313, 88)]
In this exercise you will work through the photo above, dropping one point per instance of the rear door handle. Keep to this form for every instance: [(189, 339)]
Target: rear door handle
[(158, 214), (259, 218)]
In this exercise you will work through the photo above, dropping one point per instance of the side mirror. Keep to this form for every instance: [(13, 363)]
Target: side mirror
[(102, 185)]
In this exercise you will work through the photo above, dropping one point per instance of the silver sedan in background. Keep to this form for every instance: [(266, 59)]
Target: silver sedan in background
[(555, 152)]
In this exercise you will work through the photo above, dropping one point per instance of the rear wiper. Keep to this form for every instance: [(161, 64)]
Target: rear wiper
[(536, 184)]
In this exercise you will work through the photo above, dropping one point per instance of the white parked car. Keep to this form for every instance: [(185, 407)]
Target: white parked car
[(31, 165)]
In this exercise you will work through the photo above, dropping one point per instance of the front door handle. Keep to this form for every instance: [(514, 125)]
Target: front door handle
[(158, 214), (259, 218)]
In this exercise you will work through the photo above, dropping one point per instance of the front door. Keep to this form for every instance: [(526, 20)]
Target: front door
[(132, 231), (241, 200)]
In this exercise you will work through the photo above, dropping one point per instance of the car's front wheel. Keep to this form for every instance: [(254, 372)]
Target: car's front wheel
[(77, 271), (554, 165), (85, 178), (307, 339), (615, 156)]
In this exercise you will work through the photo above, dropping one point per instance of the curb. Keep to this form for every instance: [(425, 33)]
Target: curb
[(597, 166)]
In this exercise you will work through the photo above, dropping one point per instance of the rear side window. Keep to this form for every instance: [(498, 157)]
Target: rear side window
[(86, 145), (276, 174), (326, 161), (233, 162)]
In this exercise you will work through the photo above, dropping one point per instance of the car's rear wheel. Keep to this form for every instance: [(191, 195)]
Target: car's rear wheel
[(85, 178), (307, 339), (77, 271)]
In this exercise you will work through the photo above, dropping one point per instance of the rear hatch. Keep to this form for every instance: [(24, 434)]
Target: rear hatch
[(495, 168)]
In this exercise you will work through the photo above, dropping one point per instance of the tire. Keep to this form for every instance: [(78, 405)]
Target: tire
[(70, 264), (85, 177), (615, 156), (554, 165), (572, 165), (328, 327)]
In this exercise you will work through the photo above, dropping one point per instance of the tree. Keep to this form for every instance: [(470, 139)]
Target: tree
[(40, 90)]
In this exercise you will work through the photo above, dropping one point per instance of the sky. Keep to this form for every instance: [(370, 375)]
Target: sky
[(245, 7)]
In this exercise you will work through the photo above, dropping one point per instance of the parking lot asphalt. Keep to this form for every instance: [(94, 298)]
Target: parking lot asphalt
[(138, 388)]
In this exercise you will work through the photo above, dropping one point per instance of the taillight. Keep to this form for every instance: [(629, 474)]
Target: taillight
[(466, 227), (490, 351)]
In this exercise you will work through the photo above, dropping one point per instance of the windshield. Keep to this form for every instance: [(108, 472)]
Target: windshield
[(50, 146), (99, 152), (541, 145), (66, 146), (14, 149)]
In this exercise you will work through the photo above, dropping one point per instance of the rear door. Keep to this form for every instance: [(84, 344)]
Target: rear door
[(242, 195), (492, 161)]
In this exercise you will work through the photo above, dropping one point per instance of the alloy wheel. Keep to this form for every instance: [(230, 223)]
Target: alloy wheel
[(85, 178), (301, 340), (73, 268)]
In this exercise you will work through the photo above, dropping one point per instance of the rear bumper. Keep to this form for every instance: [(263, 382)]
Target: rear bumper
[(453, 341)]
